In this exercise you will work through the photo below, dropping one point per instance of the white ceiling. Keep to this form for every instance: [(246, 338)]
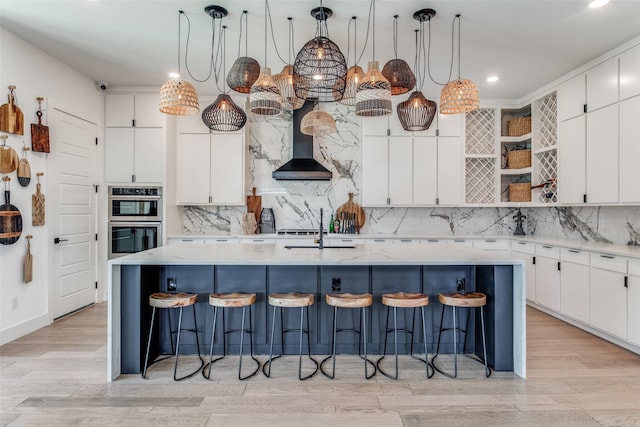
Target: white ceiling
[(528, 43)]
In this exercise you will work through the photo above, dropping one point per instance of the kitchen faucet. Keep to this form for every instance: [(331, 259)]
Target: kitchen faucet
[(320, 238)]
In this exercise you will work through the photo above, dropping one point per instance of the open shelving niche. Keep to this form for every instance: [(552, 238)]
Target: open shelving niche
[(511, 143)]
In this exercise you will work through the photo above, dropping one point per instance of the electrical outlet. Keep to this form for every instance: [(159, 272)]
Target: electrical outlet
[(460, 284), (172, 284), (336, 284), (14, 303)]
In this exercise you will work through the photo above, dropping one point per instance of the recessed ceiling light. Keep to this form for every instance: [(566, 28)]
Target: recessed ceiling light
[(493, 79), (597, 3), (174, 75)]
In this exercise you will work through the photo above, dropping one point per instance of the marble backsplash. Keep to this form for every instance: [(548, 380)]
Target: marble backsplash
[(296, 204)]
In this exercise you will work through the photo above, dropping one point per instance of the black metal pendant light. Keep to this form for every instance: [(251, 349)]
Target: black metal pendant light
[(245, 70), (397, 71), (320, 67)]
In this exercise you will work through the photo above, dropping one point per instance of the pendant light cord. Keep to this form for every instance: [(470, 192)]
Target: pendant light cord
[(453, 24), (395, 35), (366, 41), (224, 61), (244, 15), (180, 13), (213, 63), (373, 2), (273, 38)]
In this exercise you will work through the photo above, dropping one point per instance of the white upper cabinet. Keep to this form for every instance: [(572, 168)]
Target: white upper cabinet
[(572, 160), (630, 73), (375, 170), (449, 124), (400, 170), (629, 150), (193, 123), (129, 110), (425, 170), (450, 170), (134, 155), (572, 97), (602, 85), (602, 155)]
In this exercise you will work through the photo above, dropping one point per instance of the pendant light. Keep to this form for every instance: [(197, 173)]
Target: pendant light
[(397, 71), (320, 65), (355, 74), (177, 96), (417, 112), (461, 95), (374, 92), (224, 115), (264, 98), (286, 80), (245, 70), (318, 123)]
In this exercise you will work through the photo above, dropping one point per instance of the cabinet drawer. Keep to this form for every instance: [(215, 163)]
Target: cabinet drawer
[(634, 267), (526, 247), (575, 256), (491, 244), (548, 251), (609, 262)]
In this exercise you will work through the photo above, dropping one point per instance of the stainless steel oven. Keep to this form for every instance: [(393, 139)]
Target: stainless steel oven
[(131, 237), (135, 204)]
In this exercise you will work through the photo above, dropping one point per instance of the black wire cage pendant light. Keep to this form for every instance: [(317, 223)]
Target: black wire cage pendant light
[(320, 67), (224, 115), (417, 112)]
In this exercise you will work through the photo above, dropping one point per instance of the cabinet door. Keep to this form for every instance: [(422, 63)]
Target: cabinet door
[(450, 124), (148, 155), (193, 123), (425, 170), (602, 155), (450, 170), (119, 110), (118, 154), (375, 172), (630, 73), (147, 111), (602, 85), (548, 283), (572, 159), (572, 97), (608, 302), (227, 168), (574, 291), (192, 169), (633, 303), (629, 149), (530, 270), (401, 170), (375, 126)]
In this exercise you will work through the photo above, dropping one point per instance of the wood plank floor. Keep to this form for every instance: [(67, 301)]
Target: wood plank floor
[(56, 376)]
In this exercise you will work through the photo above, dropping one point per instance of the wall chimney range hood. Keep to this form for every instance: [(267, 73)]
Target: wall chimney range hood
[(302, 166)]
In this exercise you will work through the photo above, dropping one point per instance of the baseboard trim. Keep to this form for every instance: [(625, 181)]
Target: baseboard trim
[(24, 328)]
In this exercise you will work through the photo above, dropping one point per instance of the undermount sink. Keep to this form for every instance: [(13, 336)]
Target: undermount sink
[(317, 247)]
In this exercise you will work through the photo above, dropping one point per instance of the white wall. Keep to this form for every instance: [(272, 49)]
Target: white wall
[(36, 73)]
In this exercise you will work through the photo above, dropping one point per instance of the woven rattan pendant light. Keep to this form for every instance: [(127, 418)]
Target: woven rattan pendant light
[(355, 74), (224, 115), (374, 92), (245, 70), (417, 112), (318, 123), (397, 71), (461, 95), (320, 66), (264, 98), (177, 96), (286, 80)]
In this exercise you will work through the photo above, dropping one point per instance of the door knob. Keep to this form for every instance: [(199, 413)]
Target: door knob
[(57, 240)]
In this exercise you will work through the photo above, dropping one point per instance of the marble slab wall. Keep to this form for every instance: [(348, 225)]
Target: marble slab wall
[(296, 204)]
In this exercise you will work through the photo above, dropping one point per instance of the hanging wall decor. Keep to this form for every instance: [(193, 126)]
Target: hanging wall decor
[(28, 261), (8, 157), (37, 204), (11, 118), (39, 132), (10, 217), (24, 169)]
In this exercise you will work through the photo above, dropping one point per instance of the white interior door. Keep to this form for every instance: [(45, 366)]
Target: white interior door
[(73, 221)]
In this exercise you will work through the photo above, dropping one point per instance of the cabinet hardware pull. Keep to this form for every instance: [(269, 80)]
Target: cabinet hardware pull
[(558, 265), (490, 240), (522, 243), (547, 247), (405, 240), (437, 200), (573, 251), (378, 240), (607, 256), (133, 178), (346, 240), (433, 240), (458, 240), (222, 240), (584, 198), (388, 200), (534, 260), (584, 108), (626, 281), (258, 240)]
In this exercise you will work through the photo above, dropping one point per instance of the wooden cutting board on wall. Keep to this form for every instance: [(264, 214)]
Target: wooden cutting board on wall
[(254, 204), (353, 209)]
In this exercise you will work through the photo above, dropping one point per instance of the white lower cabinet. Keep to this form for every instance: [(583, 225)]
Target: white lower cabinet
[(608, 296), (633, 303), (548, 276), (574, 284), (526, 251)]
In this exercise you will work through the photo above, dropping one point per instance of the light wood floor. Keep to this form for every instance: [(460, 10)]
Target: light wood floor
[(57, 376)]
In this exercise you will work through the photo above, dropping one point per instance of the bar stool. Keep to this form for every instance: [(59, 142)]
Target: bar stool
[(173, 300), (348, 300), (290, 300), (467, 300), (405, 300), (232, 300)]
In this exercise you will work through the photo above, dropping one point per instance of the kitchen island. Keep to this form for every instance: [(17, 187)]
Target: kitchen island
[(266, 268)]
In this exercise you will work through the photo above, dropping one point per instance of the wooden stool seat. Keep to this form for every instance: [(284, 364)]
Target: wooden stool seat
[(405, 300), (472, 299), (349, 300), (235, 299), (171, 300), (291, 299)]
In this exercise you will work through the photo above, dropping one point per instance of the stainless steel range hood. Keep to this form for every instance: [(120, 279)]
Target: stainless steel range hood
[(302, 166)]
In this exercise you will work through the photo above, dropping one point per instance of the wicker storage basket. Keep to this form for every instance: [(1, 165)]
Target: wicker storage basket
[(518, 159), (520, 192), (519, 126)]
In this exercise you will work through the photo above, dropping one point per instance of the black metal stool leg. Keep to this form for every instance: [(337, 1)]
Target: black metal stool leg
[(455, 345), (300, 377), (250, 332), (213, 337), (484, 344), (333, 347), (384, 348), (146, 358), (273, 329), (364, 338), (426, 344)]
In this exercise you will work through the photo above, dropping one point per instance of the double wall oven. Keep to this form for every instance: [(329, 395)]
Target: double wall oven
[(135, 219)]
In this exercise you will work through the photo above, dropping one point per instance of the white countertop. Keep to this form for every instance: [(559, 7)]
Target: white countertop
[(277, 254)]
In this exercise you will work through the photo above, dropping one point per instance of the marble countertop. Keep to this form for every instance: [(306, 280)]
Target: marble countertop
[(277, 254)]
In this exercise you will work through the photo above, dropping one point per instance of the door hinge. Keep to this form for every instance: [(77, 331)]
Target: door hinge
[(437, 132), (96, 140), (584, 198), (133, 123), (96, 285), (534, 260), (388, 132), (558, 265), (96, 237), (626, 281), (584, 108)]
